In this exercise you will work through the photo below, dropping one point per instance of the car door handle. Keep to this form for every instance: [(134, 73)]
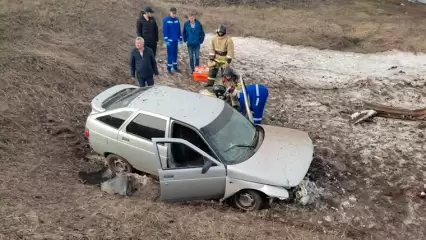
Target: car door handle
[(125, 139), (169, 176)]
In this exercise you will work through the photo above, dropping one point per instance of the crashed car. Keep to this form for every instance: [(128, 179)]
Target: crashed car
[(199, 147)]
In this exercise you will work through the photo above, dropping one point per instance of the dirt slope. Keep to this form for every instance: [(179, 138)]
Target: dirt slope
[(56, 55)]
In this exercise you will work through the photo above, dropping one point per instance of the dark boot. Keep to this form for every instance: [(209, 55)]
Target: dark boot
[(209, 83)]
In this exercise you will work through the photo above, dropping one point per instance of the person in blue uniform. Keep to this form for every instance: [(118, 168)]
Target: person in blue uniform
[(172, 35), (257, 94)]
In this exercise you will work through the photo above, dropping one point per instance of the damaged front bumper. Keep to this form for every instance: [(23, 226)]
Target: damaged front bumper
[(301, 194), (298, 194)]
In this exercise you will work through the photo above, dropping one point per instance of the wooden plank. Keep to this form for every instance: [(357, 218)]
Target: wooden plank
[(396, 112)]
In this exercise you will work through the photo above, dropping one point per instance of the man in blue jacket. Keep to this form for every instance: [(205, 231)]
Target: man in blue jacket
[(172, 34), (142, 64), (193, 35)]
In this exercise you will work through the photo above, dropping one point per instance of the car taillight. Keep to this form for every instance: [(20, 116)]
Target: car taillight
[(86, 132)]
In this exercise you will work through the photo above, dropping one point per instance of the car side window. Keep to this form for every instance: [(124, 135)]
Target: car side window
[(184, 156), (147, 127), (115, 120)]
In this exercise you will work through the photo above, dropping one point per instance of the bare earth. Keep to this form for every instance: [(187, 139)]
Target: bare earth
[(56, 55)]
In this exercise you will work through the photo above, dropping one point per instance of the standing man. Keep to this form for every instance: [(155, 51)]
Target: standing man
[(142, 64), (257, 95), (193, 35), (221, 53), (147, 28), (172, 34)]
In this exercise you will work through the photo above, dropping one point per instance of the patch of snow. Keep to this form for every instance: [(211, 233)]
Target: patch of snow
[(324, 69)]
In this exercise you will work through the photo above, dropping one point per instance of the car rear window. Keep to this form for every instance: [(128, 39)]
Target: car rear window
[(115, 120), (122, 98)]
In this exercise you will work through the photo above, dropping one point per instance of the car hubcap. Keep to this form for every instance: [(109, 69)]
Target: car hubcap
[(246, 200), (119, 166)]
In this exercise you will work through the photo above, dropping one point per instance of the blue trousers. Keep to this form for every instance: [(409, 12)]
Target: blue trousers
[(194, 56), (258, 95), (172, 54)]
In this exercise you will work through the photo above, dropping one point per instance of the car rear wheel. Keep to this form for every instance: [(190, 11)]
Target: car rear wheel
[(118, 164), (249, 200)]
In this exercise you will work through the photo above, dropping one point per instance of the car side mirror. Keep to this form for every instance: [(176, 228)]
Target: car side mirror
[(206, 167)]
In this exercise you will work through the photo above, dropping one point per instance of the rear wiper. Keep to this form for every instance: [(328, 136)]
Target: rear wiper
[(240, 145)]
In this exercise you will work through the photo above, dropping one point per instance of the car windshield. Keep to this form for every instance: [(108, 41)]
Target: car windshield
[(231, 135)]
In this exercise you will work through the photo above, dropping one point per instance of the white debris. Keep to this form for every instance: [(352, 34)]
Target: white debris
[(120, 184), (313, 192), (346, 204), (352, 199), (362, 115)]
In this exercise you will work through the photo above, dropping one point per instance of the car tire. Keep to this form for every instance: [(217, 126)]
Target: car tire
[(118, 164), (249, 200)]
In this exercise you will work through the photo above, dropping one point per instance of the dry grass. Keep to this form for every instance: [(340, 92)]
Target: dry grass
[(55, 55), (358, 26)]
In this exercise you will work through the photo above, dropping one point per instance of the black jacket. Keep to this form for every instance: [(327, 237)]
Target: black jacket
[(144, 67), (148, 29)]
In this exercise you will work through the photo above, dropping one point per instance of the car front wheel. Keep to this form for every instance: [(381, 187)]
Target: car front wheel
[(118, 164), (249, 200)]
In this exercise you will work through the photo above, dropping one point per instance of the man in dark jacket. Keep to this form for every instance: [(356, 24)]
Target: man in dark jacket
[(147, 28), (142, 64), (193, 35)]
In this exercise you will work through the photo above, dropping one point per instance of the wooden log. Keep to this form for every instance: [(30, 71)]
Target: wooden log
[(396, 112)]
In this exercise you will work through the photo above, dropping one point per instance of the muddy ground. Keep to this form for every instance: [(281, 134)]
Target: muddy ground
[(56, 55)]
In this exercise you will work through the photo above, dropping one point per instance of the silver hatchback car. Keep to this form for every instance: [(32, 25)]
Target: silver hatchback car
[(199, 147)]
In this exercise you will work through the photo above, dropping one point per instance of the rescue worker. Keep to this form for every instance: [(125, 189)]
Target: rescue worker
[(220, 55), (172, 35), (257, 95), (233, 86)]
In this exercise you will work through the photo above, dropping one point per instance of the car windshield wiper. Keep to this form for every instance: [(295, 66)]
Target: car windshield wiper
[(256, 135), (240, 145)]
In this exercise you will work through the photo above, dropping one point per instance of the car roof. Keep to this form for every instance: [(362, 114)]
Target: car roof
[(189, 107)]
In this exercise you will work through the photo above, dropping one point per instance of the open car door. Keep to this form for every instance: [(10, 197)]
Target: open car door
[(189, 182)]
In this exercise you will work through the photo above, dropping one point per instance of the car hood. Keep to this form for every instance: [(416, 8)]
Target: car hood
[(283, 159)]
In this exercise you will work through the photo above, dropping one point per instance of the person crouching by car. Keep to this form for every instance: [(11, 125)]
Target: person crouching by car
[(143, 65), (193, 35), (257, 95)]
